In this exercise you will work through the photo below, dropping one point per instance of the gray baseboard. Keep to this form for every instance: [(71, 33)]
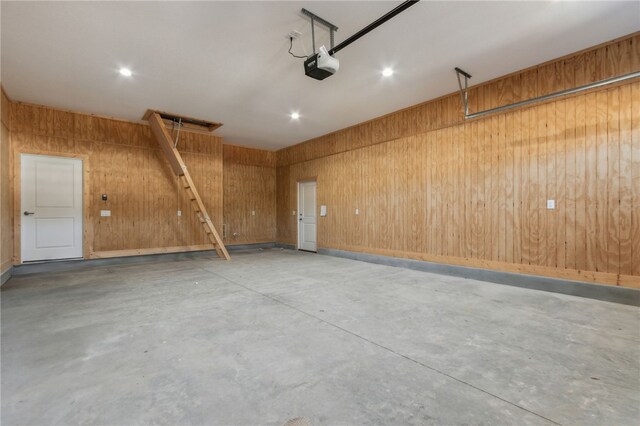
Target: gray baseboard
[(67, 265), (608, 293), (4, 277), (286, 246), (252, 246)]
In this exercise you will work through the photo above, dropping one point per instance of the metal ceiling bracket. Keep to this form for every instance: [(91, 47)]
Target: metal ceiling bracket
[(464, 93), (332, 28)]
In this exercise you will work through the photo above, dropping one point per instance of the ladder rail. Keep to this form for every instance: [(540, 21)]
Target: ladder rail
[(180, 169)]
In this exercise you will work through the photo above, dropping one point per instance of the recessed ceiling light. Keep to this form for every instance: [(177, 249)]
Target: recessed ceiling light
[(126, 72), (387, 72), (295, 115)]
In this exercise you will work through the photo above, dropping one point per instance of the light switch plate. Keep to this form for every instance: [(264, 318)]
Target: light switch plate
[(105, 213), (357, 212), (551, 204), (179, 212), (323, 210), (253, 212), (293, 213)]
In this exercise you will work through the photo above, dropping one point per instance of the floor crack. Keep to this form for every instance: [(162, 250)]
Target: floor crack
[(408, 358)]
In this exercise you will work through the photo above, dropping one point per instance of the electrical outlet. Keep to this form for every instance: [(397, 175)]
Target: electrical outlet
[(294, 34), (253, 212), (105, 213), (293, 213)]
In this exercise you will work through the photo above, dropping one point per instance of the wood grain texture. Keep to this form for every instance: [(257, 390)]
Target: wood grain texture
[(430, 186), (127, 165), (249, 195), (143, 252), (234, 154), (617, 57), (6, 202), (143, 194), (635, 179), (185, 181)]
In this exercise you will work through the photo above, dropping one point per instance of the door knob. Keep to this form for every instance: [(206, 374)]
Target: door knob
[(26, 213)]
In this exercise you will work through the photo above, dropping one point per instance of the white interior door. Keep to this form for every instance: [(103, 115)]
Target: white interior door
[(307, 216), (51, 207)]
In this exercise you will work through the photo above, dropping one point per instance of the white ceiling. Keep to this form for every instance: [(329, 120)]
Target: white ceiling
[(228, 61)]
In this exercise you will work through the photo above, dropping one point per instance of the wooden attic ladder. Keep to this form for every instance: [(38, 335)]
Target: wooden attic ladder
[(161, 134)]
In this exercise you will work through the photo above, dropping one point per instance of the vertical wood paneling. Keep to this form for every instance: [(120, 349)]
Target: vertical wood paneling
[(602, 170), (517, 188), (249, 187), (475, 193), (478, 191), (249, 203), (558, 182), (635, 178), (509, 162), (6, 204), (580, 185), (144, 196), (614, 58), (613, 181), (544, 254), (591, 182), (626, 204)]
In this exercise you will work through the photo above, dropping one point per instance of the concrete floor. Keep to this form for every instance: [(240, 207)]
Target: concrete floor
[(276, 334)]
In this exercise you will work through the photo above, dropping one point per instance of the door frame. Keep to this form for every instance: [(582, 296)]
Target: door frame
[(298, 182), (87, 235)]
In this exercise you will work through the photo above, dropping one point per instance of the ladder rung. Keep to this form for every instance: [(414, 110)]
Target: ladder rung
[(184, 179)]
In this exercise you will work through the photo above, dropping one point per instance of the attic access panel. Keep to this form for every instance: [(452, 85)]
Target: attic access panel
[(188, 123)]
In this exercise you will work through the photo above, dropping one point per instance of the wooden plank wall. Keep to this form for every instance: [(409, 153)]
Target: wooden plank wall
[(607, 60), (6, 247), (126, 163), (430, 186), (249, 195)]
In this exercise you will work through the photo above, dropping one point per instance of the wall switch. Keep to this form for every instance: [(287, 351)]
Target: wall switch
[(179, 212), (105, 213), (357, 212), (293, 213), (253, 212), (323, 210), (551, 204)]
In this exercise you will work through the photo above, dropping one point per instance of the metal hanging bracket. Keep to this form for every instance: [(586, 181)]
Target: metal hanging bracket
[(332, 28), (464, 93)]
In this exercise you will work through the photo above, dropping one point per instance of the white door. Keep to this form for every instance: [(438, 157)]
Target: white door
[(51, 207), (307, 216)]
